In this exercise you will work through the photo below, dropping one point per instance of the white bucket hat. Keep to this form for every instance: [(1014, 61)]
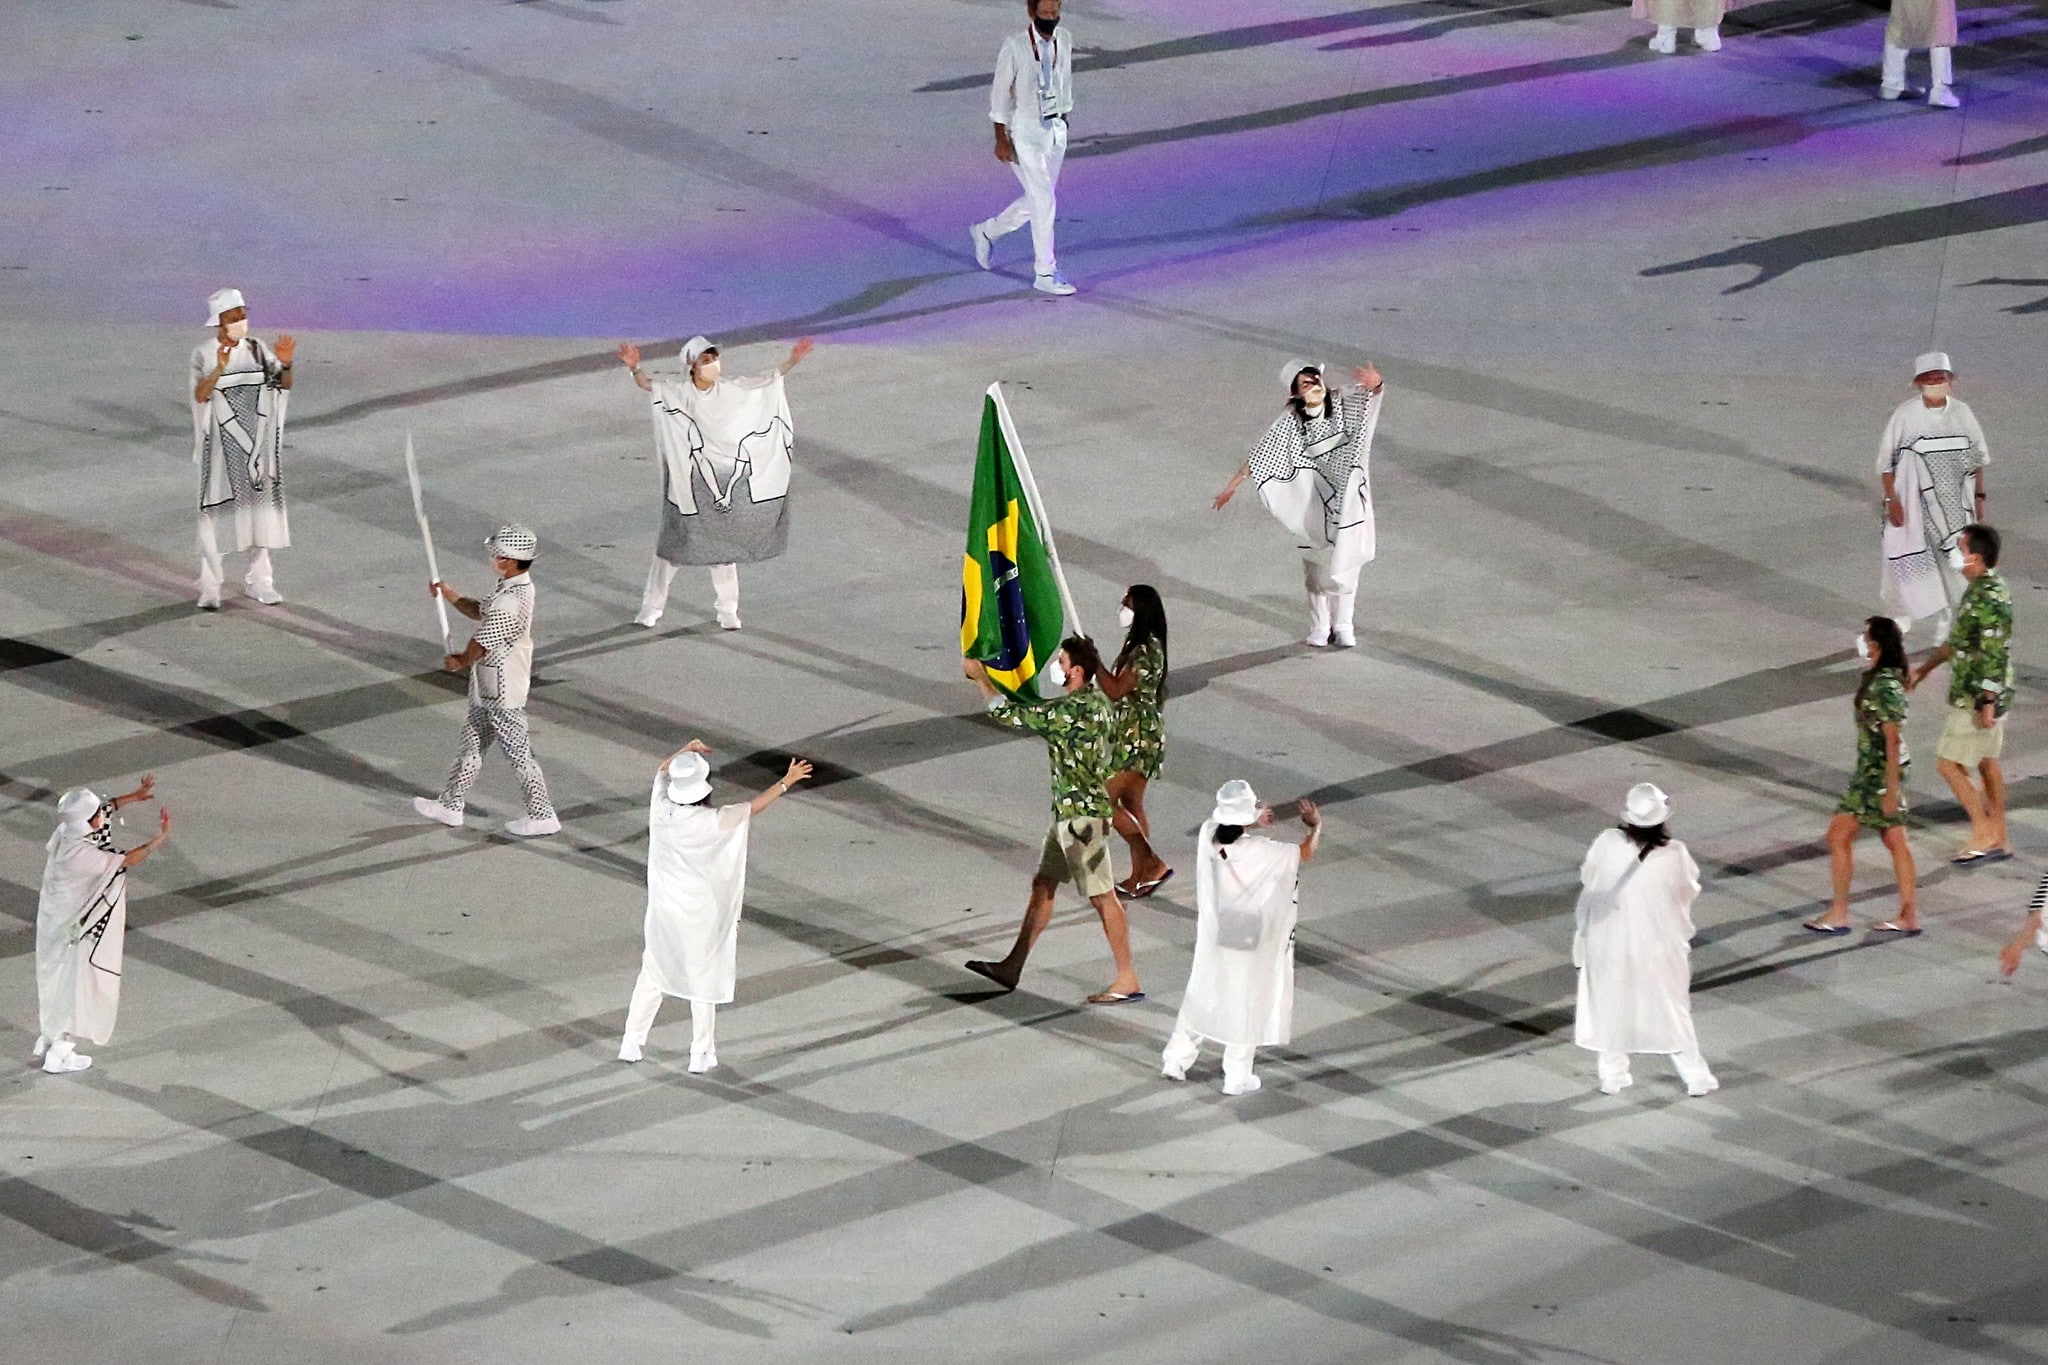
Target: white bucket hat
[(689, 779), (76, 808), (695, 347), (220, 301), (513, 542), (1293, 371), (1236, 804), (1647, 806), (1933, 360)]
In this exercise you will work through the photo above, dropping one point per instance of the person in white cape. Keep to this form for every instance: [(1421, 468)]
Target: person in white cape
[(1930, 466), (81, 922), (696, 880), (1633, 946), (239, 389), (1314, 472), (1241, 987), (725, 447)]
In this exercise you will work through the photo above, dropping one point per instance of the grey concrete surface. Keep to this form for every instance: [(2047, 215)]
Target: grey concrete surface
[(1641, 321)]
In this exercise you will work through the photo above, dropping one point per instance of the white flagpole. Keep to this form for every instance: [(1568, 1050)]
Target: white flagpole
[(419, 510), (1031, 498)]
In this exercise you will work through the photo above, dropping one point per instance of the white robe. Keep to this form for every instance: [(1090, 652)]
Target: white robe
[(696, 878), (238, 443), (1913, 583), (1324, 498), (725, 468), (1633, 950), (81, 920), (1241, 989)]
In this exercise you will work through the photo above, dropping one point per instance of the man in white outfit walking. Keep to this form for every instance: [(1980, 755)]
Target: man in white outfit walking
[(1029, 103)]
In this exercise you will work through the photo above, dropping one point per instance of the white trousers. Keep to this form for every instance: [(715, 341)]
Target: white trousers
[(725, 588), (1331, 601), (1039, 151), (646, 1004), (1692, 1069), (1940, 68), (1183, 1048), (211, 575)]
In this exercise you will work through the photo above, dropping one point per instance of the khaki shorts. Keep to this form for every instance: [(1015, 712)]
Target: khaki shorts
[(1962, 742), (1078, 851)]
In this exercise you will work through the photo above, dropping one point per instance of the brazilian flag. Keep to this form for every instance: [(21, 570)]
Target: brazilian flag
[(1012, 616)]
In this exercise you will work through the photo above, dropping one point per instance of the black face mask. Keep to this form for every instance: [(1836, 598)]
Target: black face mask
[(1044, 26)]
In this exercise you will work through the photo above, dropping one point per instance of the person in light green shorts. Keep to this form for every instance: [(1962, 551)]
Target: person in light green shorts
[(1980, 679)]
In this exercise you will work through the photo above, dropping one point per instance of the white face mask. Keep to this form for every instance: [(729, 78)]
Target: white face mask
[(1936, 392), (237, 330), (1125, 617), (1863, 648), (707, 371), (1055, 675)]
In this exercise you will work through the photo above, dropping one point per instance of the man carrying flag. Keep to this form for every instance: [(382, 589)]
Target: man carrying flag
[(1014, 606)]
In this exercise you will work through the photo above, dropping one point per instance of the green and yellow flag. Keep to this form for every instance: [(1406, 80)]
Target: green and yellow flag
[(1012, 603)]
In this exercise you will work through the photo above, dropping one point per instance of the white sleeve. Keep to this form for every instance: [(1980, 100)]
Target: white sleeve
[(732, 817), (1888, 446), (1976, 437), (1001, 102)]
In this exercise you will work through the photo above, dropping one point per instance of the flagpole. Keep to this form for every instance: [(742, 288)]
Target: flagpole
[(419, 511), (1023, 466)]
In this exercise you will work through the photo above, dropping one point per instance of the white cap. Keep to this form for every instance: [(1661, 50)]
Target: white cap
[(220, 301), (76, 809), (689, 779), (1933, 360), (695, 347), (1647, 806), (1236, 804), (1293, 372), (513, 542)]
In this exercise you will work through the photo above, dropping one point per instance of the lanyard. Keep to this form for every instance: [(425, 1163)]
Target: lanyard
[(1047, 59)]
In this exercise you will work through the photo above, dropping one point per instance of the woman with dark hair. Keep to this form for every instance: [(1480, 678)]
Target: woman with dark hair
[(1313, 471), (1876, 798), (1138, 687), (1633, 946)]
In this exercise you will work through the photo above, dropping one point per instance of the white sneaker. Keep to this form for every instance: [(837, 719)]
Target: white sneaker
[(266, 593), (647, 618), (1709, 39), (1173, 1073), (438, 813), (1705, 1087), (1890, 92), (982, 243), (1316, 641), (728, 620), (701, 1062), (1616, 1087), (210, 600), (1941, 97), (526, 827), (63, 1057), (1054, 284), (1664, 41), (2040, 941), (629, 1052), (1243, 1087), (1344, 639)]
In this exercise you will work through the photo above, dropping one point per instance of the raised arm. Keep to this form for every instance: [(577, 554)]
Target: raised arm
[(144, 789), (796, 354), (629, 356), (1312, 816), (142, 851), (798, 771)]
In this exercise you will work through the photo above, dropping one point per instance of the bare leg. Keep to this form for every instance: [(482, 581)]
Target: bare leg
[(1841, 867), (1902, 868), (1118, 931), (1037, 914), (1127, 798), (1994, 802), (1958, 779)]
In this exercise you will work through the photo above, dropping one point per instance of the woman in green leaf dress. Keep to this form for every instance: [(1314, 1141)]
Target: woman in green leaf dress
[(1876, 798), (1138, 687)]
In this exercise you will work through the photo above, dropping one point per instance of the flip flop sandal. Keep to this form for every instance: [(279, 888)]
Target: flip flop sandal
[(1116, 998), (1143, 889), (1896, 929), (988, 969), (1969, 856), (1996, 855), (1830, 930)]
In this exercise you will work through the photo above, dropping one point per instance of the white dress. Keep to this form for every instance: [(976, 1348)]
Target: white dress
[(1241, 989), (81, 920), (696, 879), (1633, 949)]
